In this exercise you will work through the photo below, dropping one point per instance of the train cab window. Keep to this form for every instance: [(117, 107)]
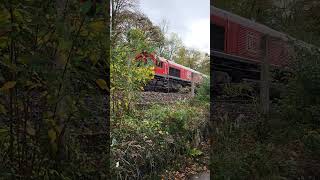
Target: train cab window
[(174, 72), (159, 64), (218, 37)]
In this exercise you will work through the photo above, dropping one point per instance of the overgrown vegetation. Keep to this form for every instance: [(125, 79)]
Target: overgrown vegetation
[(144, 143), (53, 78), (54, 82), (283, 146), (203, 92)]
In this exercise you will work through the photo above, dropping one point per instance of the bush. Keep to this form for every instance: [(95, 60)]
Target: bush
[(312, 142), (283, 146), (301, 104), (240, 153), (146, 143), (203, 93)]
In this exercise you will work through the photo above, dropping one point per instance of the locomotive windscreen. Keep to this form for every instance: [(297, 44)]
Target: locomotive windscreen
[(218, 38), (174, 72)]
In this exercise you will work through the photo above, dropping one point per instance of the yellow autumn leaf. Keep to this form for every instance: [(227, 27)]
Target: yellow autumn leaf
[(102, 84), (3, 132), (93, 58), (31, 131), (97, 26), (8, 85), (84, 32), (52, 135)]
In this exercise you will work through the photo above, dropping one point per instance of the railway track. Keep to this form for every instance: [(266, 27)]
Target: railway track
[(152, 98), (233, 101)]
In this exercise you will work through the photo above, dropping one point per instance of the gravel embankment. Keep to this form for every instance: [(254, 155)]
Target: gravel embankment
[(161, 98)]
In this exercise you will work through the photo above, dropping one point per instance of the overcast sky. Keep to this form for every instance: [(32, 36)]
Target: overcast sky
[(190, 19)]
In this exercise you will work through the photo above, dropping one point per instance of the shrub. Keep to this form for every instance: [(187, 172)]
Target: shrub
[(203, 93), (146, 143), (301, 104), (285, 145)]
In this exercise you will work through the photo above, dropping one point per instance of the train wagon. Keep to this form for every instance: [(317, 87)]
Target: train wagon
[(170, 75)]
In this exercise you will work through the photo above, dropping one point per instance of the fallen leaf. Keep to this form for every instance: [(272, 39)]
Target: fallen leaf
[(102, 84), (8, 85)]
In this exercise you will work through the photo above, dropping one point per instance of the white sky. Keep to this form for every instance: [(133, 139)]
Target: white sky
[(190, 19)]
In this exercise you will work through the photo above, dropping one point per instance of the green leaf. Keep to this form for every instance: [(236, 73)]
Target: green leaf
[(114, 142), (3, 109), (85, 7), (3, 41), (65, 43), (99, 8), (3, 133), (7, 63), (195, 152)]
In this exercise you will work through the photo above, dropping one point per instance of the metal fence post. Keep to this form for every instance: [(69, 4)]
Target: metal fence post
[(192, 85), (264, 86)]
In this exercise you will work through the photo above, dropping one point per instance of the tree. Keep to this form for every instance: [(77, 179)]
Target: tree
[(298, 18), (194, 58), (40, 105), (125, 17), (204, 64), (164, 28), (171, 46), (181, 55), (188, 57), (251, 9), (119, 14), (137, 20)]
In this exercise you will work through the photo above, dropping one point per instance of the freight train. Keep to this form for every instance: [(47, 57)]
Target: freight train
[(239, 46), (170, 76)]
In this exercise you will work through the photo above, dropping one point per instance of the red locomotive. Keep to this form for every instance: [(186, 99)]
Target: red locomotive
[(170, 76), (239, 46)]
